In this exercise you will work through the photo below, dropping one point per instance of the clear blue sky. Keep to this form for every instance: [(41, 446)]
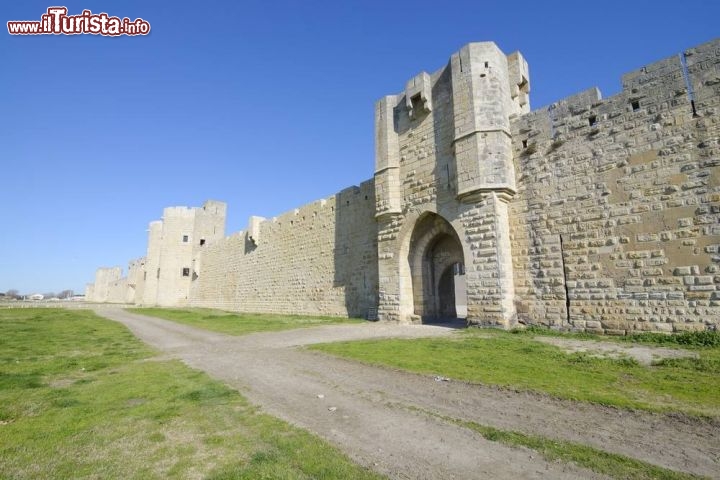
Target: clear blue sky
[(264, 105)]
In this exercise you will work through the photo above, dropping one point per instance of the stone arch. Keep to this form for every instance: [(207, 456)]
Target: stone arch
[(432, 261)]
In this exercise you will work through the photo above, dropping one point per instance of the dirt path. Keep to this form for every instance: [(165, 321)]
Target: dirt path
[(373, 413)]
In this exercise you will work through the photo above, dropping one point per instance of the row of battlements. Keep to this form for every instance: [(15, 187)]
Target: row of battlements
[(212, 207), (489, 108), (317, 209), (690, 78)]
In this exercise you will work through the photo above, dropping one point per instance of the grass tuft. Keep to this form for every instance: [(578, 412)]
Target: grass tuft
[(518, 361), (611, 464), (705, 338), (239, 323)]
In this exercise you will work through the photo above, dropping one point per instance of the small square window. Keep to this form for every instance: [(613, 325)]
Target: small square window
[(185, 238), (202, 242), (635, 105), (592, 120), (185, 272)]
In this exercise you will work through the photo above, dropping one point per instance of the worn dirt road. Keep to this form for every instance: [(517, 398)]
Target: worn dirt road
[(376, 415)]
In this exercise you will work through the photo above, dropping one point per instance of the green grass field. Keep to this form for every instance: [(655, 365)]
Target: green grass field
[(509, 359), (612, 465), (239, 323), (517, 361), (80, 397)]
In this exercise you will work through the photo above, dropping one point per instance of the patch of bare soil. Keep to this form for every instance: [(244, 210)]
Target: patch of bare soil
[(374, 414), (62, 382), (643, 354)]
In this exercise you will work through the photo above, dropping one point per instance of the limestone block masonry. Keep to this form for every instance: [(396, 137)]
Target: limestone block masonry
[(101, 290), (317, 259), (590, 214)]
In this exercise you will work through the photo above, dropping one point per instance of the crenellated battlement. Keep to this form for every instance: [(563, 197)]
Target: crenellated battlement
[(617, 202), (595, 214), (648, 90)]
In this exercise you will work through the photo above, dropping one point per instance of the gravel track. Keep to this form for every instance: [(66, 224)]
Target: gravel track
[(377, 415)]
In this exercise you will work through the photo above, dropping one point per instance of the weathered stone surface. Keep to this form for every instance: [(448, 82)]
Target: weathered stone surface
[(590, 214)]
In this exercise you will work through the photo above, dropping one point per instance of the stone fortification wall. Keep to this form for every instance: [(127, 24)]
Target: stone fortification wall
[(136, 281), (118, 291), (104, 287), (317, 259), (616, 224), (152, 264), (592, 214)]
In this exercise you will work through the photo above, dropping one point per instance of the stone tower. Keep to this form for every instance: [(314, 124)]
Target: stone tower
[(591, 214), (174, 247), (444, 173)]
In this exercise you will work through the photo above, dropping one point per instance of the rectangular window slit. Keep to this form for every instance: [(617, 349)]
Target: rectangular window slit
[(186, 272), (635, 105), (416, 102), (185, 238), (524, 143), (592, 120)]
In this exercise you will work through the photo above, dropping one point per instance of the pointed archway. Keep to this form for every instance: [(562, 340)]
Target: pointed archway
[(437, 270)]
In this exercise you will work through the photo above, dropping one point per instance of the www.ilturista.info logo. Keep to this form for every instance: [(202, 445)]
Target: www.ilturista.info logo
[(57, 22)]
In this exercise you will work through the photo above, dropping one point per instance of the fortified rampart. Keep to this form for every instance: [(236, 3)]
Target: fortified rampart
[(164, 276), (595, 214), (105, 288), (616, 225), (317, 259)]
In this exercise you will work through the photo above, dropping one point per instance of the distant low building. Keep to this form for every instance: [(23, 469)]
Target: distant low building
[(36, 296)]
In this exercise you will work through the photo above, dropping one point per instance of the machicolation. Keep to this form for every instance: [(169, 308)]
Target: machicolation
[(591, 214)]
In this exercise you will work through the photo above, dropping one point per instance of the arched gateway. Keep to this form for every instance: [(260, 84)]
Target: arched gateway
[(444, 174), (437, 268), (572, 243)]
